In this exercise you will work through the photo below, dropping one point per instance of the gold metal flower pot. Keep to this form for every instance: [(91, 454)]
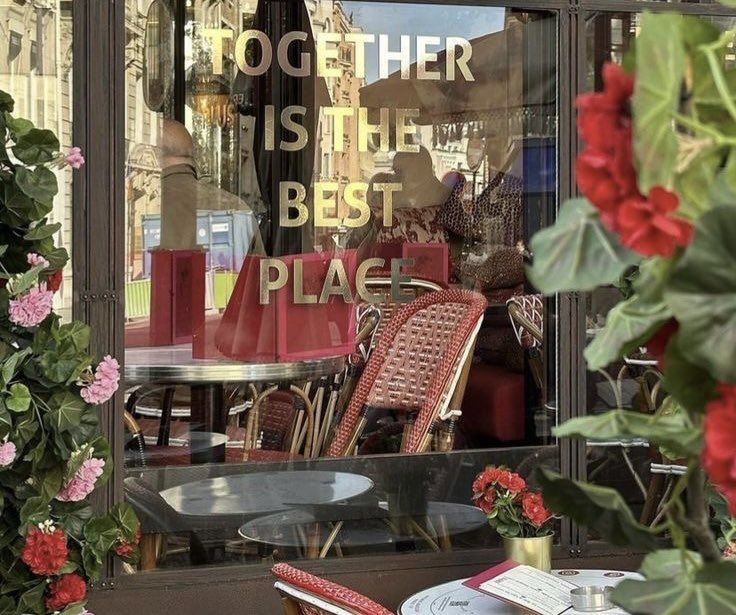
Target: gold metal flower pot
[(535, 552)]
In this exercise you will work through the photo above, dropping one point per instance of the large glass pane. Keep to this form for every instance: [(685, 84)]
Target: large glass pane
[(327, 211), (634, 468), (36, 70)]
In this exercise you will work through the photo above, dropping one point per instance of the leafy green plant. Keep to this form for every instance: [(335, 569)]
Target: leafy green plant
[(658, 174), (51, 454)]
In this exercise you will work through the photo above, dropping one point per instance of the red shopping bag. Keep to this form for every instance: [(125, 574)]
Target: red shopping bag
[(286, 329), (177, 295)]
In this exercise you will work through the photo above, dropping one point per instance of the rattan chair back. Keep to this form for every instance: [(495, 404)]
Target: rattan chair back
[(420, 357)]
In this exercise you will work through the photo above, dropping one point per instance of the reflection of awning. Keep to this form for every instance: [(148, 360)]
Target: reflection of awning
[(498, 67)]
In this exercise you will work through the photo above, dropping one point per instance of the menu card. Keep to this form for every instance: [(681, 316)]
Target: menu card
[(525, 587)]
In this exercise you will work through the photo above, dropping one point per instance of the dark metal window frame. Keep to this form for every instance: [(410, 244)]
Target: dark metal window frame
[(98, 254)]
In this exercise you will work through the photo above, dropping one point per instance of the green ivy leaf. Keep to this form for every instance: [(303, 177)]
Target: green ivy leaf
[(32, 600), (39, 184), (702, 295), (57, 257), (17, 126), (629, 324), (690, 384), (34, 511), (73, 516), (101, 534), (660, 69), (695, 182), (6, 102), (37, 146), (666, 564), (41, 232), (66, 411), (125, 518), (722, 191), (25, 280), (601, 509), (674, 431), (712, 591), (6, 421), (19, 399), (577, 252), (50, 482), (77, 332), (11, 365)]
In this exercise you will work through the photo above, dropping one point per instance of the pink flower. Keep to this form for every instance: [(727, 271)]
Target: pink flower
[(83, 482), (32, 307), (106, 380), (74, 158), (7, 454), (34, 260)]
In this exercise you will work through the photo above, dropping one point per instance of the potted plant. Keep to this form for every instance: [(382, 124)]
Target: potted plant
[(658, 175), (52, 544), (518, 514)]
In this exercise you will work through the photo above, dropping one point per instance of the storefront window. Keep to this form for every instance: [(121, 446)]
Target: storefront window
[(328, 328), (36, 70)]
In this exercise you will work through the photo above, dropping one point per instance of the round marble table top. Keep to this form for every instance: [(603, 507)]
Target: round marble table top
[(175, 365), (259, 493), (363, 526), (454, 598), (195, 442)]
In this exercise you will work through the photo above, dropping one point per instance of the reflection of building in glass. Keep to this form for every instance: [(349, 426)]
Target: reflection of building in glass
[(223, 138), (36, 69), (347, 165)]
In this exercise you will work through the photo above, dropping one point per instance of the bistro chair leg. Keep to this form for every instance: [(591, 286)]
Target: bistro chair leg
[(290, 606), (330, 540), (313, 535), (151, 548)]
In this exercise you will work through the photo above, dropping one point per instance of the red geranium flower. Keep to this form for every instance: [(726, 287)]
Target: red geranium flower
[(512, 481), (485, 502), (486, 478), (607, 178), (657, 345), (45, 552), (719, 458), (67, 589), (601, 115), (124, 549), (53, 282), (647, 226), (534, 508)]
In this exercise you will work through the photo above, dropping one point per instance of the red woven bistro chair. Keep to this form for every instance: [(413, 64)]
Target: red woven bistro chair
[(305, 594), (419, 364), (527, 318)]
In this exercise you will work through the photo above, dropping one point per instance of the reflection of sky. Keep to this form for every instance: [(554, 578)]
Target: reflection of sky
[(376, 18)]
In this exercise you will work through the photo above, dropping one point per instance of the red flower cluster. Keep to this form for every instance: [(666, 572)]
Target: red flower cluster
[(486, 483), (67, 589), (534, 509), (607, 177), (53, 282), (497, 488), (45, 552), (657, 345), (125, 548), (720, 433)]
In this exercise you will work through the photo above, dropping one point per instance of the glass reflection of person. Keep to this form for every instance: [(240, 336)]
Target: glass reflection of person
[(420, 187), (182, 194)]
